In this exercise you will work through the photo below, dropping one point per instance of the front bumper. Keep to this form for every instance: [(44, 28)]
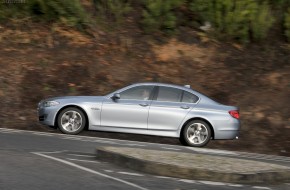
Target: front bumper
[(47, 115)]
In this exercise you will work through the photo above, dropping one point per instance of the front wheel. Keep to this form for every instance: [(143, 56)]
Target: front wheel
[(71, 121), (196, 133)]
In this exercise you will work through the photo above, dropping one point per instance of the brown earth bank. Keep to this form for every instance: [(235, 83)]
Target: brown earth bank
[(40, 60)]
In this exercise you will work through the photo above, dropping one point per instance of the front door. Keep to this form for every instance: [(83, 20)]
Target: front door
[(130, 111)]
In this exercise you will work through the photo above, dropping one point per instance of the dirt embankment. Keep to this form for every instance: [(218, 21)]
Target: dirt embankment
[(40, 61)]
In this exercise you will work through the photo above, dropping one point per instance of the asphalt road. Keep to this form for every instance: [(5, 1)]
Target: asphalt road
[(35, 160)]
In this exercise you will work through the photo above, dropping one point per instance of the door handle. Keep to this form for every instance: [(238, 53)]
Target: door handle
[(143, 104), (184, 107)]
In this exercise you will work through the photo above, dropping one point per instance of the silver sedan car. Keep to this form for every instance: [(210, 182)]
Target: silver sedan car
[(145, 108)]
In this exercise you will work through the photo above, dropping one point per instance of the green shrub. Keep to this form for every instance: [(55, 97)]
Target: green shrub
[(113, 10), (237, 19), (160, 15), (70, 12), (278, 3), (12, 11), (287, 24), (261, 21)]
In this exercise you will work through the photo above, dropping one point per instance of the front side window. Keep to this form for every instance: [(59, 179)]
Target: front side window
[(189, 98), (169, 94), (137, 93)]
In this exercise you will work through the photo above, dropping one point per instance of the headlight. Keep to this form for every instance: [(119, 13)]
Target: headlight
[(50, 103), (40, 103)]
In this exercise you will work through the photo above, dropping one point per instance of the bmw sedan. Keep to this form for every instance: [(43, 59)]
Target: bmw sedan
[(145, 108)]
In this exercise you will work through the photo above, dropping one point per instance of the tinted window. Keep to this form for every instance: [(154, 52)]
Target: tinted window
[(169, 94), (189, 98), (137, 93)]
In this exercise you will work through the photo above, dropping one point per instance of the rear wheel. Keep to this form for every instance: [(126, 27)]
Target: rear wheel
[(71, 121), (196, 133)]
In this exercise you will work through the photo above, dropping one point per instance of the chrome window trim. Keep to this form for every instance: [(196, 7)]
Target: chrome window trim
[(109, 96)]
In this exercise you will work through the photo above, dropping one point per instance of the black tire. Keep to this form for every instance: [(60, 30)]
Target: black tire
[(79, 113), (182, 141), (184, 137)]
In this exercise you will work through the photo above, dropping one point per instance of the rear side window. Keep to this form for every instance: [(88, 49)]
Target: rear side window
[(169, 94), (189, 98)]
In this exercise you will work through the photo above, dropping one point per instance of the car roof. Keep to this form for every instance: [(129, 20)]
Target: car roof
[(161, 84), (158, 84)]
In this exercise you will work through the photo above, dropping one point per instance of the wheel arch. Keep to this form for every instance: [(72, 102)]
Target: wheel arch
[(198, 118), (74, 106)]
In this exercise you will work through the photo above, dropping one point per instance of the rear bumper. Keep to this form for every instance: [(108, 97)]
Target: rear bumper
[(228, 130), (233, 134)]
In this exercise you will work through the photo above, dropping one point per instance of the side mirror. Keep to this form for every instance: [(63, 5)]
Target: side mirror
[(116, 96)]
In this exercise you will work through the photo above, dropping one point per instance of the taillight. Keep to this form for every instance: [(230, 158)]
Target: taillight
[(234, 114)]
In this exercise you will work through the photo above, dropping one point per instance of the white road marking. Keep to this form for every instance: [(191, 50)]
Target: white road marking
[(209, 183), (212, 183), (71, 138), (202, 182), (82, 160), (99, 138), (89, 170), (43, 134), (9, 132), (6, 129), (258, 187), (88, 140), (168, 148), (53, 152), (201, 150), (3, 129), (165, 177), (134, 145), (234, 185), (187, 181), (110, 171), (129, 173), (106, 142), (82, 155)]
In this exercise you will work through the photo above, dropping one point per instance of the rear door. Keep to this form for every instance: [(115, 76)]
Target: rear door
[(169, 107)]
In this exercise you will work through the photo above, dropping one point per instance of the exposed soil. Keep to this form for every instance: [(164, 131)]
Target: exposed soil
[(39, 61)]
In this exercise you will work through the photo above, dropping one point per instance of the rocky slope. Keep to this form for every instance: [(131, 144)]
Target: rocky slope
[(39, 61)]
